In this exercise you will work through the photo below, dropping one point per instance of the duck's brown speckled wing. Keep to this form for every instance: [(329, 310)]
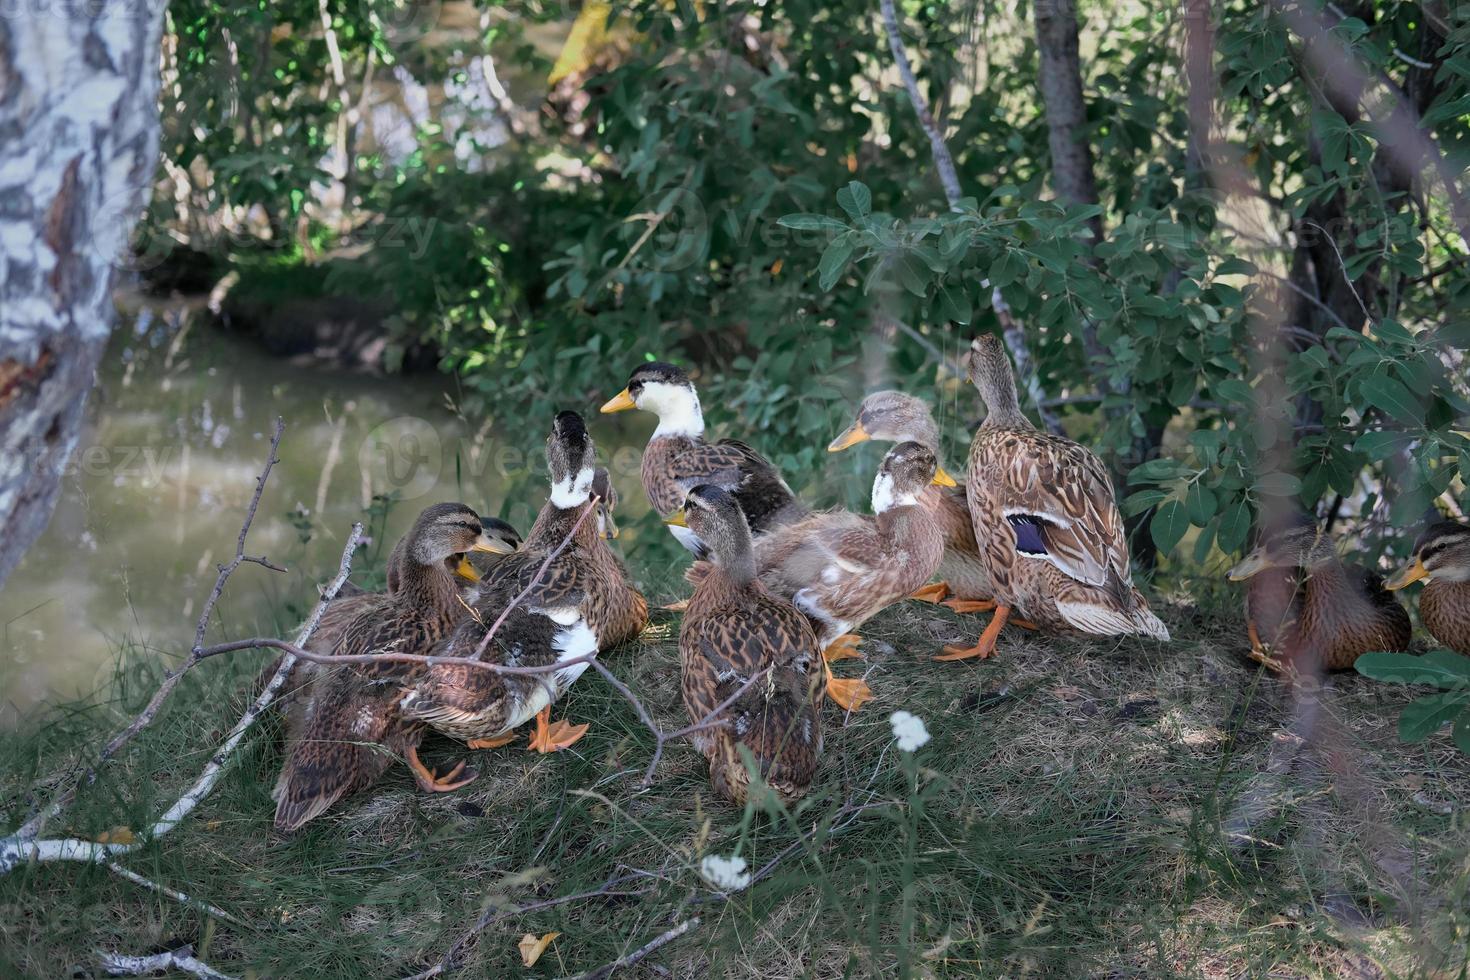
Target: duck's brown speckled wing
[(673, 470), (1066, 486), (559, 586), (339, 748), (1445, 609), (776, 718)]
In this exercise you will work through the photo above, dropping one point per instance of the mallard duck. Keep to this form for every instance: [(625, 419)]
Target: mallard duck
[(353, 708), (841, 568), (1046, 522), (1335, 613), (892, 416), (734, 630), (1442, 555), (581, 604), (678, 456)]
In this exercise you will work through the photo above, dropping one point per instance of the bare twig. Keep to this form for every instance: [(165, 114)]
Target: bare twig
[(182, 959), (450, 960), (603, 972), (16, 849), (33, 827), (1015, 334), (177, 896)]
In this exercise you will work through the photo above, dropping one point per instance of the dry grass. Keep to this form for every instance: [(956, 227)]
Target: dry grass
[(1102, 809)]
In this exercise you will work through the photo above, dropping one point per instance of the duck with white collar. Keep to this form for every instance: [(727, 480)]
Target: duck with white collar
[(679, 457)]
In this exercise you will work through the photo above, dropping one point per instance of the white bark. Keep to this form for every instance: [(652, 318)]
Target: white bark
[(78, 145)]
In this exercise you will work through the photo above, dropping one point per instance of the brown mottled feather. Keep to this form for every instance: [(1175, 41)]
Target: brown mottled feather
[(729, 635), (673, 464), (1445, 609)]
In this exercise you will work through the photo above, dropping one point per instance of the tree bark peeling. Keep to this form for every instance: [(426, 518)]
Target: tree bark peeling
[(78, 146)]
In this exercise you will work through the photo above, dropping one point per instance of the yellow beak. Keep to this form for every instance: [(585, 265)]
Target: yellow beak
[(466, 571), (1254, 564), (1407, 575), (491, 546), (620, 402), (943, 479), (855, 434), (676, 519)]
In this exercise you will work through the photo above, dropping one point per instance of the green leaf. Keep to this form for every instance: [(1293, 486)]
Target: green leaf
[(1141, 500), (811, 222), (1278, 484), (1381, 445), (1235, 526), (1448, 671), (1429, 714), (1007, 269), (1199, 501), (1390, 395), (954, 304), (856, 199), (1169, 524), (834, 261)]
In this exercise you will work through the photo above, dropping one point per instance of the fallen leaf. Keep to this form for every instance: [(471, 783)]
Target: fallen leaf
[(117, 835), (213, 825), (531, 948)]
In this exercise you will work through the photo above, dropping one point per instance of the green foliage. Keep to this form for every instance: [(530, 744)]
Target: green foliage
[(1444, 669)]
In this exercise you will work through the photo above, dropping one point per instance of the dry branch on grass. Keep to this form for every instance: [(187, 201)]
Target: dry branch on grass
[(181, 960)]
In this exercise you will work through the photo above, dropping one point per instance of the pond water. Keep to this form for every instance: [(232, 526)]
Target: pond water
[(179, 425)]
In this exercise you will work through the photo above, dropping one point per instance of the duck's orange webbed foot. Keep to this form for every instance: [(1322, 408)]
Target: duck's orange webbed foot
[(970, 605), (492, 743), (842, 648), (985, 646), (933, 592), (553, 736), (430, 781)]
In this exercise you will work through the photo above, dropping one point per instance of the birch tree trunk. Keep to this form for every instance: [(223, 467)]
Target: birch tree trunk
[(78, 145)]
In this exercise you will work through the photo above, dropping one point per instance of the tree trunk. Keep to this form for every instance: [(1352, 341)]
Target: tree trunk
[(78, 144)]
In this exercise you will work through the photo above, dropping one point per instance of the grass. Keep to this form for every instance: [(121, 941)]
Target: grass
[(1118, 809)]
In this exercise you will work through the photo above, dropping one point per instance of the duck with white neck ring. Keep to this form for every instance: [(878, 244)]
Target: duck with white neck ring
[(841, 568), (577, 606), (679, 457)]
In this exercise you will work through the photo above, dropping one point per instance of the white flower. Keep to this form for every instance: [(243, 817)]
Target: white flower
[(909, 730), (725, 873)]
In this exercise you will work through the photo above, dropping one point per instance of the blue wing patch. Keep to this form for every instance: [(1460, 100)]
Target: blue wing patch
[(1028, 534)]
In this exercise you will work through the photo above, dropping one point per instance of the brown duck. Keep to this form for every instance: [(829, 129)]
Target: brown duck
[(1442, 556), (1046, 522), (841, 568), (678, 456), (580, 604), (1333, 614), (736, 634), (892, 416), (351, 709)]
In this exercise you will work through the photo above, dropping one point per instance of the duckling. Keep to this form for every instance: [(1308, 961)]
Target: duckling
[(581, 604), (1442, 555), (353, 708), (736, 629), (841, 568), (678, 457), (1045, 521), (892, 416), (1337, 614)]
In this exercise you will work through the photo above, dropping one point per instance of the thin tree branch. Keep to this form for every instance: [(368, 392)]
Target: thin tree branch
[(183, 960), (1015, 334), (33, 827), (177, 896), (450, 960), (603, 972), (16, 849)]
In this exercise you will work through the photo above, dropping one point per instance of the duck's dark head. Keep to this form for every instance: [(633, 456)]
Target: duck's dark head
[(1442, 554), (571, 459), (666, 391)]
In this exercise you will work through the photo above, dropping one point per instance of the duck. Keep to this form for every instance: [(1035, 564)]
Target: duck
[(894, 416), (1442, 556), (350, 710), (577, 606), (679, 457), (738, 634), (841, 568), (1334, 614), (1046, 522)]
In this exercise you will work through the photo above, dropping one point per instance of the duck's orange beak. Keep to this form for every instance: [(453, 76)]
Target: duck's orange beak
[(855, 434), (620, 402), (943, 479), (1407, 575)]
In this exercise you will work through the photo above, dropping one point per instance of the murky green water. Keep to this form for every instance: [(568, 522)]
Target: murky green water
[(180, 424)]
